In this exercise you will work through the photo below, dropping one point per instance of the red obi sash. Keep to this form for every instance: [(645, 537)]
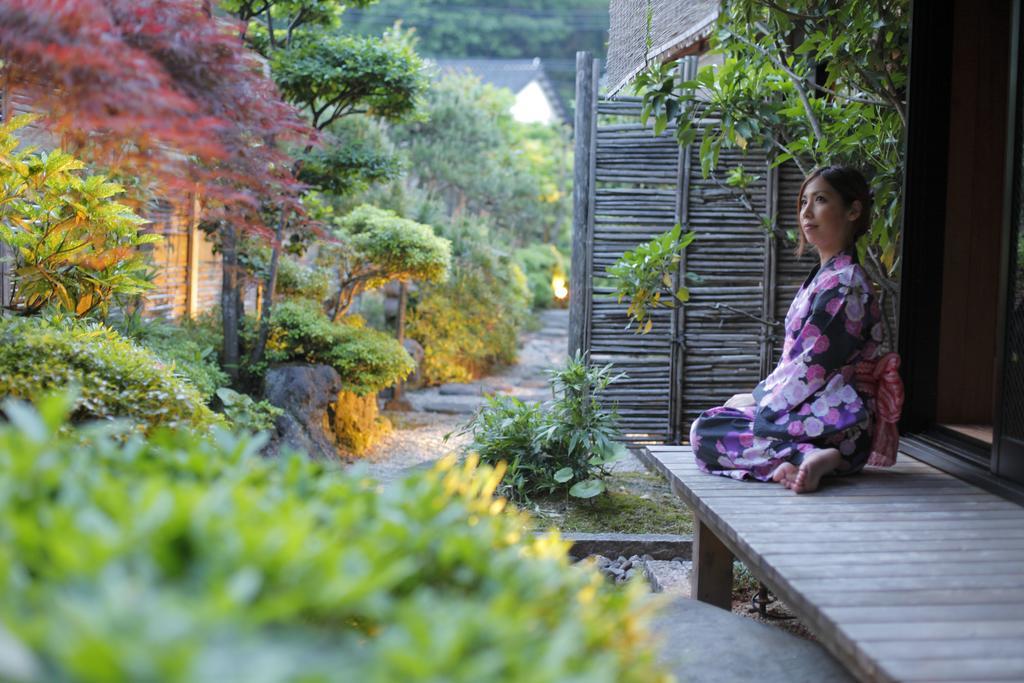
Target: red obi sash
[(881, 379)]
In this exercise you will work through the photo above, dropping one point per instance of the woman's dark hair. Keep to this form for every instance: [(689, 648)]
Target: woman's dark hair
[(851, 186)]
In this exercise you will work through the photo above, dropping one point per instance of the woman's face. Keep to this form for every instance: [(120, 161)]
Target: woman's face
[(826, 221)]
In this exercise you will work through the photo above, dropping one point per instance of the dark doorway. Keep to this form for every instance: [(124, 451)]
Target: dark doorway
[(1008, 460), (973, 229)]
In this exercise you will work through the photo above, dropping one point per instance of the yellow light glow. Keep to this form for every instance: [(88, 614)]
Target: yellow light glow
[(558, 285)]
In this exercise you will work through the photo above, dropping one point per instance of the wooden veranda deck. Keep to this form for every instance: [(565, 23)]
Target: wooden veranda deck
[(905, 574)]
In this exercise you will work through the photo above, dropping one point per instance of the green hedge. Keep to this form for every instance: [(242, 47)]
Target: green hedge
[(115, 377), (179, 559)]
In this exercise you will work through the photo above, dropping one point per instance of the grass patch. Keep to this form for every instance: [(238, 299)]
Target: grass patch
[(635, 503)]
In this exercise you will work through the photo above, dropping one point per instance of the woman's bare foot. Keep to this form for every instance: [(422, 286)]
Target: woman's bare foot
[(785, 474), (816, 464)]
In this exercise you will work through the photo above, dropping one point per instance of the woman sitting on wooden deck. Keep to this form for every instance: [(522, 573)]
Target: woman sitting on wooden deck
[(814, 415)]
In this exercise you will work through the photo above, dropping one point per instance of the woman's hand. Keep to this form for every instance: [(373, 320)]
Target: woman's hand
[(741, 401)]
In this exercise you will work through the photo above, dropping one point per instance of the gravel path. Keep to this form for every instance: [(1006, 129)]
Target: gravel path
[(418, 439)]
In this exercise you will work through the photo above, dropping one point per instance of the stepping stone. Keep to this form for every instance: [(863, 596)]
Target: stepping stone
[(705, 644), (459, 389), (452, 405)]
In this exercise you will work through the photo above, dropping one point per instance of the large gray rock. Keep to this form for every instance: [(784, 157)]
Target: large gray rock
[(303, 392), (705, 644)]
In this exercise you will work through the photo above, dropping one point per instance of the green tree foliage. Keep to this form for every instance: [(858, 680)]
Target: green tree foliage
[(470, 155), (376, 246), (181, 559), (552, 29), (76, 248), (114, 377), (328, 76), (358, 156), (815, 82)]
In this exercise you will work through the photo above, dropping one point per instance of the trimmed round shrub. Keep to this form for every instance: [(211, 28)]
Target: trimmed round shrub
[(181, 559), (114, 376), (366, 359)]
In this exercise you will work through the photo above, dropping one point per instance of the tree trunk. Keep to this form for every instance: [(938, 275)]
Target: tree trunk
[(230, 301), (270, 286)]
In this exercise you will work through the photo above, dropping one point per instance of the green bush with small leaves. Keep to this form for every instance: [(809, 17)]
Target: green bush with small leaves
[(562, 445), (182, 559), (470, 323), (179, 345), (246, 414), (115, 377), (366, 359)]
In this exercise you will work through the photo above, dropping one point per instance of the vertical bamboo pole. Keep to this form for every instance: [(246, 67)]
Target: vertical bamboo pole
[(6, 286), (586, 88), (192, 275), (677, 358), (595, 72), (771, 244)]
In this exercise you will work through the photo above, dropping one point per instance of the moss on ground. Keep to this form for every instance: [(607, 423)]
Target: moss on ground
[(635, 503)]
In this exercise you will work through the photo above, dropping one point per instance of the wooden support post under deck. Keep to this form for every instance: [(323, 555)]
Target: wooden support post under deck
[(711, 577)]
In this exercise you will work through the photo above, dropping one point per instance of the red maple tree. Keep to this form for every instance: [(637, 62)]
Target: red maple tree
[(160, 88)]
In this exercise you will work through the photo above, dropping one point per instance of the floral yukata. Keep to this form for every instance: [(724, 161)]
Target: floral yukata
[(809, 401)]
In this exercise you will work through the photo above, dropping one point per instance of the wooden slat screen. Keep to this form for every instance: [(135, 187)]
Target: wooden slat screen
[(635, 198), (720, 343)]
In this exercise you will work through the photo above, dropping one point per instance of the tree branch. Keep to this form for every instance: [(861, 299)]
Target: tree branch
[(852, 98), (798, 82)]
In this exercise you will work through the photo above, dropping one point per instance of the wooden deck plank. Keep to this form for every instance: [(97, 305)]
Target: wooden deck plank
[(897, 571), (961, 669), (948, 648)]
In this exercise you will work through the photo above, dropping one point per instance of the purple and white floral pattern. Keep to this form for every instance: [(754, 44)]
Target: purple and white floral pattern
[(808, 401)]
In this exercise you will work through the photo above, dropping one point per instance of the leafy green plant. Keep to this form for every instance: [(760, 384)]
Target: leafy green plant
[(578, 428), (115, 377), (181, 559), (564, 444), (76, 248), (366, 359), (296, 280), (244, 413), (178, 345), (646, 276)]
